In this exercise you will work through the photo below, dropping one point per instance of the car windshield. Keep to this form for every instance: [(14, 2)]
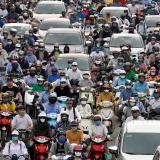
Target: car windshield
[(135, 42), (140, 143), (49, 9), (152, 21), (116, 13), (20, 29), (54, 24), (83, 63), (63, 38)]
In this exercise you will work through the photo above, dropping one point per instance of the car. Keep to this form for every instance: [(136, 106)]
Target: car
[(114, 11), (65, 36), (53, 23), (20, 27), (157, 154), (138, 140), (81, 59), (151, 22), (135, 40), (48, 9)]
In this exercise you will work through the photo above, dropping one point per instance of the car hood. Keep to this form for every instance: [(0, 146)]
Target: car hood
[(72, 48), (137, 157), (41, 17)]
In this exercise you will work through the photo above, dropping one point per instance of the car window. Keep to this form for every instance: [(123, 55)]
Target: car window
[(49, 9), (53, 24), (152, 21), (63, 38), (135, 42), (83, 63), (140, 143)]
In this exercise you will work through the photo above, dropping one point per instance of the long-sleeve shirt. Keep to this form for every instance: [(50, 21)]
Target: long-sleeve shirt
[(100, 130), (52, 108), (74, 75)]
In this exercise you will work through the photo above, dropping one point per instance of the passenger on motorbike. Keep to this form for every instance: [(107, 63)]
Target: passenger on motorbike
[(98, 129), (130, 74), (22, 120), (63, 89), (31, 79), (74, 135), (39, 87), (64, 123), (60, 147), (153, 75), (135, 114), (72, 111), (54, 75), (121, 80), (6, 104), (40, 71), (52, 106), (86, 81), (15, 146), (141, 86)]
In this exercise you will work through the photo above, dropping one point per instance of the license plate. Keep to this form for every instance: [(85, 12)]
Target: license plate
[(3, 128), (107, 123)]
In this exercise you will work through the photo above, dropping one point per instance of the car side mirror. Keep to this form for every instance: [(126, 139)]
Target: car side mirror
[(113, 150)]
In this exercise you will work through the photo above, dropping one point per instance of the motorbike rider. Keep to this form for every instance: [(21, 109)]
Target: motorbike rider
[(17, 50), (39, 87), (40, 71), (126, 53), (63, 89), (22, 120), (30, 57), (6, 104), (98, 129), (4, 38), (56, 51), (113, 62), (86, 81), (23, 63), (121, 80), (15, 146), (52, 106), (135, 114), (72, 111), (74, 135), (10, 46), (54, 76), (152, 75), (64, 123), (130, 74), (141, 85), (74, 73), (60, 147), (31, 79)]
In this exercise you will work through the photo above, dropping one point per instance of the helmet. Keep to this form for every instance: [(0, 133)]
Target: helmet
[(83, 98), (40, 78), (56, 45), (42, 114), (18, 45), (77, 148), (127, 64), (61, 133), (64, 113), (15, 132), (153, 69), (53, 94), (13, 30), (63, 80), (122, 72), (132, 101), (141, 75), (135, 108), (74, 123), (129, 83), (97, 117), (74, 64)]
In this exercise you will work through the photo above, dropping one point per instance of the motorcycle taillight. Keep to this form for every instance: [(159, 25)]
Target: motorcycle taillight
[(5, 121), (41, 148), (98, 148)]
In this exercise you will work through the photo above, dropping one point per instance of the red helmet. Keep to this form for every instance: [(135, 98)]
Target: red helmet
[(77, 148)]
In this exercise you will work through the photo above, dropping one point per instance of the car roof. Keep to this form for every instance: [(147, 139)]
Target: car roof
[(56, 19), (50, 2), (125, 35), (142, 126), (63, 30), (115, 8), (74, 55), (152, 16), (17, 24)]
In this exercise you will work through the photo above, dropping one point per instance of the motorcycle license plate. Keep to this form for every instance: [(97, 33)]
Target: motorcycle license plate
[(3, 128), (107, 123)]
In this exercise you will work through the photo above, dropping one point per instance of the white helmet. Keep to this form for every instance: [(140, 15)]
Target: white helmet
[(18, 45), (135, 108), (42, 114), (15, 132), (53, 94)]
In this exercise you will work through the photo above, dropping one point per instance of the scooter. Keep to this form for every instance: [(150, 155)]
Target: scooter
[(98, 148), (62, 101), (107, 114), (41, 150), (5, 126), (60, 157)]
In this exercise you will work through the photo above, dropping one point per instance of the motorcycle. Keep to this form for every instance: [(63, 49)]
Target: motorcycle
[(52, 121), (60, 157), (41, 147), (62, 101), (107, 114), (155, 114), (98, 148), (118, 90), (5, 126), (15, 157)]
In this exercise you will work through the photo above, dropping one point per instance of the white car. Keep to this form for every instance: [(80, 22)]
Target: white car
[(53, 23), (137, 140), (20, 27), (135, 40), (65, 36), (48, 9), (114, 11)]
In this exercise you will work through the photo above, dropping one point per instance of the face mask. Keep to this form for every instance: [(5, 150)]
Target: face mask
[(86, 77), (106, 90), (83, 102), (141, 80), (74, 68), (74, 128), (64, 119), (42, 120), (132, 104), (122, 76), (97, 123), (62, 139), (153, 73), (22, 113), (128, 87), (17, 49), (9, 43), (32, 74), (98, 45), (35, 48), (120, 63), (77, 154), (63, 84), (14, 138), (41, 49)]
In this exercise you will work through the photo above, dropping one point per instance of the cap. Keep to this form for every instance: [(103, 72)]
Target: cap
[(135, 108), (64, 112), (124, 48), (83, 98), (63, 80), (18, 45), (53, 94), (15, 132), (74, 64), (42, 114)]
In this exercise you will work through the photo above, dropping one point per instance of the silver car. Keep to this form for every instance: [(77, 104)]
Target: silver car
[(64, 36)]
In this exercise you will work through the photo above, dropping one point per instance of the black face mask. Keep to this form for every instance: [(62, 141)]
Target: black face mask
[(64, 118), (32, 74), (52, 100)]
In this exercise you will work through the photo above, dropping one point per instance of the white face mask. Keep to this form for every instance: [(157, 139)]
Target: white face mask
[(153, 73), (132, 104), (83, 102), (17, 49), (77, 154), (74, 68), (128, 87), (106, 90), (122, 76), (42, 120)]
